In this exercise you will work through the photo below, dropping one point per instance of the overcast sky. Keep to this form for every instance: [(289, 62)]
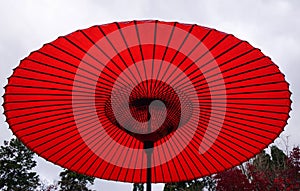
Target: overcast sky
[(271, 25)]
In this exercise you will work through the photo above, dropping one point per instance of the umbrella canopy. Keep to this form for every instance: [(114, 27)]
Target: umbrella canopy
[(111, 101)]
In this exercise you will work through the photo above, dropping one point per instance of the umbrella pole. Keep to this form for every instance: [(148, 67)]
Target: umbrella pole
[(148, 146)]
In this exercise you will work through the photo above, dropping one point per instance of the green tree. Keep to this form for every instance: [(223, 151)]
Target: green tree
[(279, 159), (72, 181), (16, 164), (194, 185), (138, 187), (178, 186)]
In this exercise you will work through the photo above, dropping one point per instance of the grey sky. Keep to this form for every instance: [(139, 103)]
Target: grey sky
[(271, 25)]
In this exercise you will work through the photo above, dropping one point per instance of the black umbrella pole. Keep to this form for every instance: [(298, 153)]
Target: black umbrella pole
[(148, 146)]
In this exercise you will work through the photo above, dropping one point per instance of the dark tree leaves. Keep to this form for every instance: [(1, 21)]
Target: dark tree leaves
[(138, 187), (72, 181), (16, 164)]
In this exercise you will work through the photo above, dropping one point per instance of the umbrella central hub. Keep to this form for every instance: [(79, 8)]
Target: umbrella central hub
[(157, 107), (154, 111)]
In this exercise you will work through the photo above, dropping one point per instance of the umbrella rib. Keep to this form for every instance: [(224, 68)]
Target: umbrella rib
[(51, 74), (43, 100), (220, 163), (224, 144), (137, 154), (160, 166), (253, 104), (133, 144), (109, 143), (65, 62), (95, 144), (226, 77), (67, 127), (119, 55), (93, 138), (42, 123), (245, 108), (197, 133), (221, 148), (141, 175), (254, 92), (117, 140), (238, 66), (153, 56), (229, 61), (141, 52), (248, 92), (40, 80), (241, 87), (38, 124), (196, 46), (207, 118), (47, 81), (175, 142), (199, 58), (75, 153), (168, 167), (41, 112), (84, 93), (42, 106), (223, 77), (80, 151), (44, 64), (124, 156), (196, 148), (169, 150), (94, 58), (217, 123), (83, 144), (47, 116), (165, 53), (218, 56), (77, 58), (122, 141), (243, 80), (177, 51), (188, 154), (210, 49), (105, 54), (248, 114), (131, 56), (247, 120)]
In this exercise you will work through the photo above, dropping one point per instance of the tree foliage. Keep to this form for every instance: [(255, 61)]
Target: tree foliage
[(232, 179), (16, 164), (71, 181), (193, 185), (138, 187), (270, 172)]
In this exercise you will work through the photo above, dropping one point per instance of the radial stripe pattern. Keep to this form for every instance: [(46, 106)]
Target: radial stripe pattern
[(90, 101)]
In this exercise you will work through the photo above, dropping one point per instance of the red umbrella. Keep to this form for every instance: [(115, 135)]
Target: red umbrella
[(147, 101)]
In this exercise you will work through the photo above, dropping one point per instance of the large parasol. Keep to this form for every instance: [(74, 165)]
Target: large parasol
[(147, 101)]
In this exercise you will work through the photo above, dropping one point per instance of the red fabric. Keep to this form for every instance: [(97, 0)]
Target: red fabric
[(243, 100)]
